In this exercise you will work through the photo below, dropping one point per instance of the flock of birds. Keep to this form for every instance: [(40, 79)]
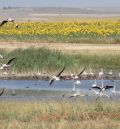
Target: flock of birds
[(95, 88), (5, 67), (99, 90)]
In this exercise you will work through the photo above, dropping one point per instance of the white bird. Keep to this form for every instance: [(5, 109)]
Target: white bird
[(8, 20), (7, 65), (91, 73), (95, 83), (75, 77), (102, 82), (101, 73), (100, 90), (110, 73), (76, 89), (56, 77), (76, 83)]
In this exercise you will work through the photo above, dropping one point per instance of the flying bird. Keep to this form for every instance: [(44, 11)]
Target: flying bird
[(7, 65), (8, 20), (56, 77), (106, 87), (74, 77), (101, 89), (95, 83), (81, 72)]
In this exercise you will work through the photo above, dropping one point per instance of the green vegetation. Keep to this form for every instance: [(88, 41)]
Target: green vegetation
[(60, 39), (59, 114), (45, 60)]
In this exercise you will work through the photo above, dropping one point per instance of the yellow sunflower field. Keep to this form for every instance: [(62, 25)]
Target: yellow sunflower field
[(76, 30)]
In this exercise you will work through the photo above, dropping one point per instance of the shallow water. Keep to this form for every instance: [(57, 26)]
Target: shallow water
[(65, 85), (40, 89)]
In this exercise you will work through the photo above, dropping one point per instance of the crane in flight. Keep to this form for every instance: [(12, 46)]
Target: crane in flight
[(8, 20), (56, 77)]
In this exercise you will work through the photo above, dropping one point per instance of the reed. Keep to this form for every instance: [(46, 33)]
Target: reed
[(45, 60)]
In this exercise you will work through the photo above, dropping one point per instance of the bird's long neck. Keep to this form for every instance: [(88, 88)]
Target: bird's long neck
[(102, 83), (114, 87), (95, 82)]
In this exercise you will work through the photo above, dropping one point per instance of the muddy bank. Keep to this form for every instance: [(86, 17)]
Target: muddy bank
[(64, 77)]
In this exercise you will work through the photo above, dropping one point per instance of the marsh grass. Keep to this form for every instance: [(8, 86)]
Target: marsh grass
[(59, 114), (113, 39), (45, 60)]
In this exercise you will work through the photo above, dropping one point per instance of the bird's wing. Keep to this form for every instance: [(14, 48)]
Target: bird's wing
[(10, 61), (81, 71), (108, 87), (51, 81), (60, 72), (96, 87), (2, 92), (3, 22)]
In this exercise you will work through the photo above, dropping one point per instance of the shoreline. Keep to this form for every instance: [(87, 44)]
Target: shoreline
[(64, 77)]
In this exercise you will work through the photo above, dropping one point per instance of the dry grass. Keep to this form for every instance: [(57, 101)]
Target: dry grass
[(69, 48), (61, 115), (63, 124)]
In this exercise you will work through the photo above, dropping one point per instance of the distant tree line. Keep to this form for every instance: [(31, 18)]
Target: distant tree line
[(9, 7)]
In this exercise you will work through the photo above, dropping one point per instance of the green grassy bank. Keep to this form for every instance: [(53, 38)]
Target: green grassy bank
[(45, 60)]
